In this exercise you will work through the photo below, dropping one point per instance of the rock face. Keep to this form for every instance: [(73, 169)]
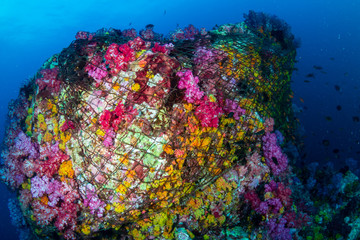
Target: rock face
[(145, 136)]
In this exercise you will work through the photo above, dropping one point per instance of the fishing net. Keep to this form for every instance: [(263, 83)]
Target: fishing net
[(130, 136)]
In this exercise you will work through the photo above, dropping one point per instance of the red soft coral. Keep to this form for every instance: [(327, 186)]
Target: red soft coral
[(208, 113), (118, 57), (49, 80), (159, 48), (67, 216), (130, 33), (138, 44), (67, 125), (43, 213), (50, 159), (112, 119)]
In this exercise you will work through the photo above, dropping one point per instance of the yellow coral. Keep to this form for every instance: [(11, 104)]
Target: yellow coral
[(167, 148), (116, 87), (65, 137), (100, 132), (86, 229), (121, 189), (41, 122), (149, 74), (26, 186), (142, 63), (44, 200), (47, 137), (66, 169), (119, 208), (49, 104), (41, 118), (135, 87), (125, 160)]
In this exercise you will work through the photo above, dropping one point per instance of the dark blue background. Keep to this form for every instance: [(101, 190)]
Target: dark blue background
[(31, 31)]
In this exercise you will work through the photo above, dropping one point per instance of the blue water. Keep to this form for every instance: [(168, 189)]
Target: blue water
[(31, 31)]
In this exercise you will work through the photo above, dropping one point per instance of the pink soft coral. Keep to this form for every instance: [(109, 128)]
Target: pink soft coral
[(109, 137), (190, 84), (96, 68)]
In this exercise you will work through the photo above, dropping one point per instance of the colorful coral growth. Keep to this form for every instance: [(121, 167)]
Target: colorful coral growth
[(139, 137)]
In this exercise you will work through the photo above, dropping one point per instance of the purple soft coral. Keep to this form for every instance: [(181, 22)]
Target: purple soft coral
[(94, 202), (39, 186), (275, 159), (233, 106), (277, 229), (24, 146)]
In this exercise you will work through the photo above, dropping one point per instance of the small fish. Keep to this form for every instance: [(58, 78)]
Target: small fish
[(317, 67), (356, 119), (323, 72), (310, 75), (165, 12), (307, 81), (337, 88), (336, 150), (149, 26), (332, 58), (328, 118), (130, 23), (326, 142), (301, 100), (346, 74), (338, 107)]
